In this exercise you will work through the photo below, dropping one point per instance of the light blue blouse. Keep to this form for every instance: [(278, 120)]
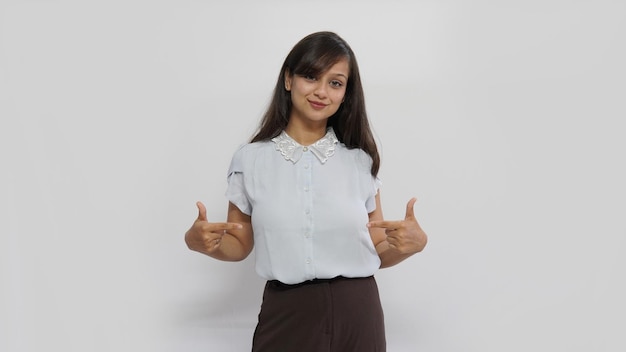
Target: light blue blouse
[(309, 207)]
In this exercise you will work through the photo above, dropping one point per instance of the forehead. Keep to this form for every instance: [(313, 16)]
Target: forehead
[(314, 65), (339, 68)]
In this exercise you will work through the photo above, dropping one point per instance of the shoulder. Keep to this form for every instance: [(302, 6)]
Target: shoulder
[(248, 149), (355, 155), (246, 154)]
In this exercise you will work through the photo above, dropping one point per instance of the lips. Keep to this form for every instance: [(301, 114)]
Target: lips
[(316, 104)]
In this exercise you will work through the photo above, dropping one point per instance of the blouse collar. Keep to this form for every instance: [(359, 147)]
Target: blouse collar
[(291, 150)]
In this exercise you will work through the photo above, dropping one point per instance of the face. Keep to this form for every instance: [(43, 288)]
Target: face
[(315, 99)]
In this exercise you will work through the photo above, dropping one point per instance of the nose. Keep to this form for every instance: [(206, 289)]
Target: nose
[(320, 90)]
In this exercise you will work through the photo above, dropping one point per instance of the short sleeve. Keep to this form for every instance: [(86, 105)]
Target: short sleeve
[(370, 203), (370, 184), (236, 190)]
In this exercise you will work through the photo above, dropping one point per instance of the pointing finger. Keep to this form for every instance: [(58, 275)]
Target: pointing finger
[(220, 227), (231, 226), (385, 224)]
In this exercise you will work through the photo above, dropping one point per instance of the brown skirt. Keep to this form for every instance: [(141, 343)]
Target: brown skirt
[(336, 315)]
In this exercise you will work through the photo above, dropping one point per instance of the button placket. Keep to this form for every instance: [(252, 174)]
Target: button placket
[(308, 214)]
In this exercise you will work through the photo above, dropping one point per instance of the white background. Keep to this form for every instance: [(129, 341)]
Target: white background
[(502, 117)]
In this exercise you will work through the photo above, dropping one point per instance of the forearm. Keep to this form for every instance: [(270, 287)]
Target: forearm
[(390, 256), (229, 248)]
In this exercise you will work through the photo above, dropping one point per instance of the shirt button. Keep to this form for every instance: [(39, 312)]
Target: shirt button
[(305, 149), (306, 166), (307, 235), (307, 211), (306, 189), (308, 260)]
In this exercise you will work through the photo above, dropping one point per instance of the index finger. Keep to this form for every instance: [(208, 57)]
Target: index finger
[(384, 224), (226, 226)]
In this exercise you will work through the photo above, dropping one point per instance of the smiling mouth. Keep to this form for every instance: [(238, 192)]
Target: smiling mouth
[(317, 104)]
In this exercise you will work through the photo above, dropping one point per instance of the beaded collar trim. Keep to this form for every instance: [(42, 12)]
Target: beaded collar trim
[(291, 150)]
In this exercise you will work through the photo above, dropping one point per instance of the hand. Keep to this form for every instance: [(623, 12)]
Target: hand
[(204, 236), (406, 236)]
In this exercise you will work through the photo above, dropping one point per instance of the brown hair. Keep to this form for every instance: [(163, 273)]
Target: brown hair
[(313, 55)]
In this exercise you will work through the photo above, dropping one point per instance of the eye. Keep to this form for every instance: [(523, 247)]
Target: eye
[(309, 77), (336, 84)]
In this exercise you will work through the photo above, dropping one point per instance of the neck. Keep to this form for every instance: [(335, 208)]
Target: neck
[(306, 134)]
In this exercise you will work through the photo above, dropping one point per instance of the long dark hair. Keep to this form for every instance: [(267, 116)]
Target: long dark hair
[(313, 55)]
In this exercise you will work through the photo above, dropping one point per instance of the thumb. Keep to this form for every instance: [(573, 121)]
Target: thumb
[(201, 211), (409, 209)]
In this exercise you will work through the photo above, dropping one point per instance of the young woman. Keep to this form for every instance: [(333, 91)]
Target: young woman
[(304, 194)]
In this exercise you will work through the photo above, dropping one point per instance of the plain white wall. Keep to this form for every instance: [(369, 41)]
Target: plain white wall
[(502, 117)]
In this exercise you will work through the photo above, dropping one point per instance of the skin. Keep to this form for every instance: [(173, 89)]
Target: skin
[(314, 100)]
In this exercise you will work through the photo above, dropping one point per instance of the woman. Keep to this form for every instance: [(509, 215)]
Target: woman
[(305, 194)]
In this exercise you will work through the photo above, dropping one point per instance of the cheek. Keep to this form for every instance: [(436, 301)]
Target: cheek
[(338, 97), (300, 90)]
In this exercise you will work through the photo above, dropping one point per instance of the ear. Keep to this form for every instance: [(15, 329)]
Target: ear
[(287, 81)]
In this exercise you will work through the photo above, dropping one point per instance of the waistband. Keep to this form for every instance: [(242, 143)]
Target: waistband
[(281, 286)]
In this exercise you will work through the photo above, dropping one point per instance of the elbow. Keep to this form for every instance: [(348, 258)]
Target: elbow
[(242, 254), (239, 257)]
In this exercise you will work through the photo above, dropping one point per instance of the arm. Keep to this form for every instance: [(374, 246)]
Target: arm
[(228, 241), (395, 240)]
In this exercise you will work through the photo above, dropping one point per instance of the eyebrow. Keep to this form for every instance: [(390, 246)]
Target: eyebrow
[(339, 74)]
